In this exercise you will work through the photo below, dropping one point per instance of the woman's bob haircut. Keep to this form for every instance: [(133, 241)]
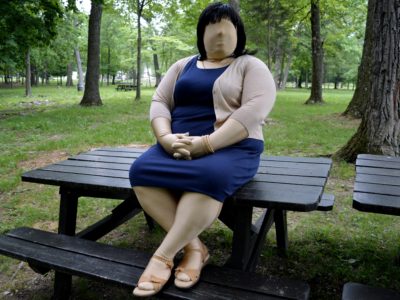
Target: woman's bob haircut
[(213, 14)]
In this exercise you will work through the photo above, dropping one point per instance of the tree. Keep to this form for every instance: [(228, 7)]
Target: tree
[(317, 55), (357, 105), (379, 131), (91, 96), (26, 24)]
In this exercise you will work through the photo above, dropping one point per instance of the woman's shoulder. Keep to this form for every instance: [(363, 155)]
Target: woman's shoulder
[(181, 63), (251, 61)]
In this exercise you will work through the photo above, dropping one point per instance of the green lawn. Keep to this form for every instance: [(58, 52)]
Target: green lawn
[(326, 249)]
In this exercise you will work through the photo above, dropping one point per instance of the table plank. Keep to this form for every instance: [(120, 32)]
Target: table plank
[(319, 173), (62, 168), (377, 189), (323, 169), (378, 171), (282, 198), (388, 164), (378, 157), (76, 180), (378, 179), (377, 203)]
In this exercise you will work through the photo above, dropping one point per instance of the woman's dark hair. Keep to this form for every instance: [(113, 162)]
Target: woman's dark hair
[(213, 14)]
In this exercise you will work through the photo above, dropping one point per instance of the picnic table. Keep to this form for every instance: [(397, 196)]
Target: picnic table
[(376, 190), (282, 184), (377, 185), (125, 87)]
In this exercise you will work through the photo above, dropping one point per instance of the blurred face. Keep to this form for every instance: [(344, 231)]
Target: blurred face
[(220, 39)]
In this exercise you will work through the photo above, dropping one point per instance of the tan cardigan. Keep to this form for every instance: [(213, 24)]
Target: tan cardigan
[(245, 92)]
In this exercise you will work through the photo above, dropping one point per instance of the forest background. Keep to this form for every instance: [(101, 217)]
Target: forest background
[(280, 31)]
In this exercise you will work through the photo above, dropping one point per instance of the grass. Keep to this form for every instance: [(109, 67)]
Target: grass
[(326, 249)]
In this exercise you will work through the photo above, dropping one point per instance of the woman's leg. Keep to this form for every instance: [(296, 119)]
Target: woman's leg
[(195, 212), (158, 203), (161, 204)]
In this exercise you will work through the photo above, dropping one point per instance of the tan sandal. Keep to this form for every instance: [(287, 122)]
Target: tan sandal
[(193, 274), (155, 283)]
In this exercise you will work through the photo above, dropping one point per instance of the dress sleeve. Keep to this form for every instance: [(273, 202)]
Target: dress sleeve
[(258, 96), (163, 100)]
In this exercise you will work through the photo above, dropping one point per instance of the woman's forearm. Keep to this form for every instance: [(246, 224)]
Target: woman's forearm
[(231, 132)]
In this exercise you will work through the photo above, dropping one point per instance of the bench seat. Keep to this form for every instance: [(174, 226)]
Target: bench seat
[(357, 291), (71, 255), (326, 203)]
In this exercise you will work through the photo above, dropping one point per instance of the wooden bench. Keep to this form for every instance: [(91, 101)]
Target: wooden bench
[(123, 267), (125, 87), (357, 291), (281, 184)]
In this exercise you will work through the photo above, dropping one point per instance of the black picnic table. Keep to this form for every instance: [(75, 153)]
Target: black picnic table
[(376, 190), (377, 185), (125, 87), (281, 184)]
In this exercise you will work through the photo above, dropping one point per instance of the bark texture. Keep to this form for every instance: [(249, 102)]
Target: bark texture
[(139, 4), (91, 95), (317, 55), (379, 131), (157, 69), (79, 67), (357, 105), (28, 88), (69, 75)]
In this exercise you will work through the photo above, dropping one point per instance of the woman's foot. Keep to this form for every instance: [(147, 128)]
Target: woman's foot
[(154, 276), (187, 274)]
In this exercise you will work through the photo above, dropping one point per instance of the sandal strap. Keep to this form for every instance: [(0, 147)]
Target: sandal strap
[(193, 274), (168, 262), (203, 251)]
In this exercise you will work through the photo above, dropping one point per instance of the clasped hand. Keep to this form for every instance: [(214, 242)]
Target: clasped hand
[(183, 146)]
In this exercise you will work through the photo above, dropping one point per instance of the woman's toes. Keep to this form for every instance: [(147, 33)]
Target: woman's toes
[(183, 277), (147, 286)]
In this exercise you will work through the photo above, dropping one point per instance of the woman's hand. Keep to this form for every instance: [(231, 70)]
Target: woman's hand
[(197, 147), (168, 140)]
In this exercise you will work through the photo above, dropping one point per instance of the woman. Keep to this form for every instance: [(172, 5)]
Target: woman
[(207, 115)]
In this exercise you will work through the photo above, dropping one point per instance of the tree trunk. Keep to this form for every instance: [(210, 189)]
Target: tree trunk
[(357, 105), (278, 65), (91, 95), (317, 55), (286, 70), (28, 88), (79, 67), (140, 4), (69, 75), (156, 69), (108, 64), (379, 131)]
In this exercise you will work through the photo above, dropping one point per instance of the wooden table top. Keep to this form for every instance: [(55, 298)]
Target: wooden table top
[(377, 185), (290, 183)]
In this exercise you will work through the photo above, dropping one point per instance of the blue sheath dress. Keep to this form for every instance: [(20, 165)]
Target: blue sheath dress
[(217, 175)]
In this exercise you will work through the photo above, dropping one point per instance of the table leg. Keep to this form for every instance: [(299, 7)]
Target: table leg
[(281, 232), (242, 238), (266, 220), (66, 225)]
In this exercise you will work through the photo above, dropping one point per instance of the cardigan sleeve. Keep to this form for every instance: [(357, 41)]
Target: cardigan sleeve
[(163, 100), (258, 97)]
